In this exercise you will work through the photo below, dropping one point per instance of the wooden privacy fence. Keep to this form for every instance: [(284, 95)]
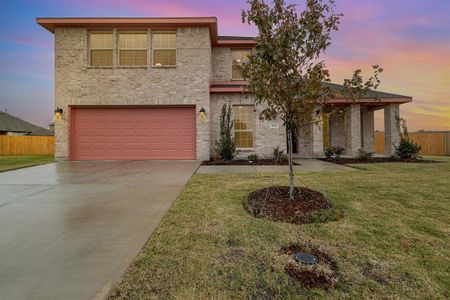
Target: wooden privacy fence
[(432, 143), (27, 145)]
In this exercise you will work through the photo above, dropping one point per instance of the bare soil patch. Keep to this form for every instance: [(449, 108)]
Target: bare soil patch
[(308, 206), (245, 162), (374, 160), (321, 275)]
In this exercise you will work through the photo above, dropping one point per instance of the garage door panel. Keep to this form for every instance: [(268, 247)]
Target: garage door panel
[(133, 133)]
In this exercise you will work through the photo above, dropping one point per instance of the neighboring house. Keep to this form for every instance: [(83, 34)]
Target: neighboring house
[(136, 88), (10, 125)]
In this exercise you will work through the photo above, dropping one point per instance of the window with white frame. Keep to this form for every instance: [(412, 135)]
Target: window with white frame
[(243, 126), (164, 45), (133, 48), (101, 47)]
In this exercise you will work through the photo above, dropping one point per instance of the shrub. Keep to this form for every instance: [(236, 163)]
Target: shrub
[(225, 146), (279, 155), (252, 157), (328, 153), (338, 151), (407, 149), (364, 155)]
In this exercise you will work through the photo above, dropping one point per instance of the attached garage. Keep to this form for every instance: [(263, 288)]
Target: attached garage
[(138, 133)]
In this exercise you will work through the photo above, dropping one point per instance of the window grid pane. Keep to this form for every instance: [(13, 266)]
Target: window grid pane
[(133, 48), (101, 40), (101, 48), (164, 48), (101, 57), (243, 126)]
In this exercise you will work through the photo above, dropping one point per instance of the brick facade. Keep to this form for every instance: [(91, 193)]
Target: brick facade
[(265, 137), (198, 63), (76, 83)]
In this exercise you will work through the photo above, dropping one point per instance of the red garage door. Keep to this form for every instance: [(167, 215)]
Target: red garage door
[(133, 133)]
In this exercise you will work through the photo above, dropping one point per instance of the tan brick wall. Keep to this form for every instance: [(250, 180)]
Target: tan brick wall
[(266, 138), (221, 64), (78, 84)]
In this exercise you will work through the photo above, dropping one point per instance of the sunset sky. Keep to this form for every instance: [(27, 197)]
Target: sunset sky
[(410, 39)]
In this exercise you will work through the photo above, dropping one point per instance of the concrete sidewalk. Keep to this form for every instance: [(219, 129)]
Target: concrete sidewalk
[(305, 165)]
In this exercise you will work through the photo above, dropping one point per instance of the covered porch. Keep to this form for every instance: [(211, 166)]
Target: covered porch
[(350, 125)]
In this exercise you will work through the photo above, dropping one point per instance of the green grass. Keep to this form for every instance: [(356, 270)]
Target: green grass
[(16, 162), (396, 225)]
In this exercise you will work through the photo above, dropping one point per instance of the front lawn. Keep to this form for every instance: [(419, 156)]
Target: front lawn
[(16, 162), (393, 241)]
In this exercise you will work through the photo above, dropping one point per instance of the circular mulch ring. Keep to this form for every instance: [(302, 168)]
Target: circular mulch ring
[(322, 275), (308, 206)]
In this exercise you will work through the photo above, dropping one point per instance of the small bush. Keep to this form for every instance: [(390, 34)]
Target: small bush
[(364, 155), (338, 151), (279, 155), (407, 149), (328, 153), (252, 157)]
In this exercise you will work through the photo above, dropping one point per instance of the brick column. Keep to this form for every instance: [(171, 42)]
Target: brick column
[(368, 130), (337, 130), (353, 132), (391, 134), (310, 137), (317, 133)]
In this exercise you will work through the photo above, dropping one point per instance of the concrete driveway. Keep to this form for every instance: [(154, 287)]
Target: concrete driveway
[(69, 230)]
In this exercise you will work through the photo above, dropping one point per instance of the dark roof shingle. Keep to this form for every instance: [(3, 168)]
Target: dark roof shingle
[(11, 123)]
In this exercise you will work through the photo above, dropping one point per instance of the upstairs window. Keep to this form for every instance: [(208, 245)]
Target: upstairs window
[(164, 46), (101, 47), (238, 57), (133, 48), (243, 126)]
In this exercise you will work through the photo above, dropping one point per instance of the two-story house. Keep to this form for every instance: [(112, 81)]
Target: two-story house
[(153, 88)]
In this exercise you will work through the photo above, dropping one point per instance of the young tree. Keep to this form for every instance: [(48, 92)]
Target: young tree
[(285, 72), (225, 146)]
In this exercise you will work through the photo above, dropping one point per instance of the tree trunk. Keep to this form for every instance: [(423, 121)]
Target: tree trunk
[(291, 171)]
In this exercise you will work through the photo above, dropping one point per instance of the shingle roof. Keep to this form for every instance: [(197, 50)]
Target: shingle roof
[(10, 123), (369, 95)]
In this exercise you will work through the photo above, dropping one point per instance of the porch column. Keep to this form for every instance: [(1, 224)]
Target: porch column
[(353, 132), (368, 130), (317, 133), (310, 136), (391, 133)]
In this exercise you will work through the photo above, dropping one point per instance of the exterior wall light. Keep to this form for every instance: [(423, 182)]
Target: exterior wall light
[(58, 114), (202, 114)]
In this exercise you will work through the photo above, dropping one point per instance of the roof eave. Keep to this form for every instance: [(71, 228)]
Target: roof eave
[(131, 23)]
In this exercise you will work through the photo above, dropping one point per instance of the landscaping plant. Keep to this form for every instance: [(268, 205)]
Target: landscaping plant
[(252, 157), (338, 151), (286, 72), (279, 155), (328, 153), (407, 149), (364, 155), (225, 146)]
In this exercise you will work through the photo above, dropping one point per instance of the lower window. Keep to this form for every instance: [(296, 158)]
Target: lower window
[(243, 126)]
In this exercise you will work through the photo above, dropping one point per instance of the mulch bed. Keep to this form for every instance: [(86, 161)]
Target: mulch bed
[(322, 275), (374, 160), (245, 162), (308, 206)]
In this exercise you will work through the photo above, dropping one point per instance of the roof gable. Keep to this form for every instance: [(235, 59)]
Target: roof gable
[(11, 123)]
